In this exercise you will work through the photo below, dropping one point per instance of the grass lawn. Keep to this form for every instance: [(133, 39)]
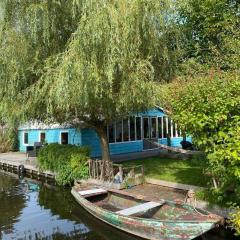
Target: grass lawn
[(174, 170)]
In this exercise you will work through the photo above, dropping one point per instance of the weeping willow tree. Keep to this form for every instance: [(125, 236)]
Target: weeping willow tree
[(85, 62)]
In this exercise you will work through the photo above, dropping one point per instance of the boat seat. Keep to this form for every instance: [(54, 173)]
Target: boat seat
[(92, 192), (140, 208)]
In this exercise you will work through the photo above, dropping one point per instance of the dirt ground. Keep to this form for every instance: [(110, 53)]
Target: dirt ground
[(156, 192)]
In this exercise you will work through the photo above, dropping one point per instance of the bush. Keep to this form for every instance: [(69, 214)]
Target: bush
[(208, 108), (69, 162)]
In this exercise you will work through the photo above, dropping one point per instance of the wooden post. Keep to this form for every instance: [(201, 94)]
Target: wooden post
[(89, 168), (121, 173)]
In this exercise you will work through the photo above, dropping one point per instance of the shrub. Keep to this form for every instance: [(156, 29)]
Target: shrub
[(69, 162)]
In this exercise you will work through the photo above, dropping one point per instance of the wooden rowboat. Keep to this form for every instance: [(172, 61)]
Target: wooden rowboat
[(137, 215)]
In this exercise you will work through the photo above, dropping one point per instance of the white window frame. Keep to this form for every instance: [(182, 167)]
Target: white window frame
[(60, 136), (23, 138)]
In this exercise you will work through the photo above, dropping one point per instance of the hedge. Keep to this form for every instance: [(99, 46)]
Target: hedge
[(69, 162)]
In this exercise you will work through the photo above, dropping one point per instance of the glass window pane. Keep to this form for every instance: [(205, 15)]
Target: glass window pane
[(169, 127), (42, 137), (138, 128), (111, 133), (153, 128), (174, 129), (160, 133), (164, 127), (119, 131), (64, 138), (146, 128), (132, 128), (179, 132), (125, 130), (25, 138)]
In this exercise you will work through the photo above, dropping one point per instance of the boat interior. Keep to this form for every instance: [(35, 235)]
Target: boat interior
[(126, 204)]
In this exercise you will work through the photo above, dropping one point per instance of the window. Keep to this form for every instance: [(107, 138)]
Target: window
[(125, 130), (146, 128), (169, 127), (138, 128), (164, 127), (119, 131), (132, 128), (111, 133), (174, 129), (64, 137), (179, 133), (153, 127), (25, 138), (160, 127), (42, 137)]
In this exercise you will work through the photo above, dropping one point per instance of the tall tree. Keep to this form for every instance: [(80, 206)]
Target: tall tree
[(85, 62), (211, 29)]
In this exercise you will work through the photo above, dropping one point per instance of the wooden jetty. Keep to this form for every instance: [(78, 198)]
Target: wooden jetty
[(13, 161)]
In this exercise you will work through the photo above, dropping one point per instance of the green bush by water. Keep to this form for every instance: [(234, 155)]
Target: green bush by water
[(69, 162)]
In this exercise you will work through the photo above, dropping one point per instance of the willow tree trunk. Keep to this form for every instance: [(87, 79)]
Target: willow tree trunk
[(106, 173)]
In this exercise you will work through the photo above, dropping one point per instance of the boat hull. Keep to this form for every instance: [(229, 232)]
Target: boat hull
[(152, 229)]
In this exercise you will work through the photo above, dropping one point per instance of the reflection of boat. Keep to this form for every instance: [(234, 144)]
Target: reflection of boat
[(30, 186), (33, 187), (139, 216)]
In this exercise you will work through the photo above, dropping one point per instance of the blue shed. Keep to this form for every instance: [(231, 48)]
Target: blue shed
[(133, 134)]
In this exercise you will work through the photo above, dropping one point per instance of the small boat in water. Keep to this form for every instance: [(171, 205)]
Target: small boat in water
[(137, 215)]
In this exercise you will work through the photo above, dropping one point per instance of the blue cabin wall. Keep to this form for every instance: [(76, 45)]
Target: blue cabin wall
[(52, 136), (152, 113), (88, 137), (175, 142)]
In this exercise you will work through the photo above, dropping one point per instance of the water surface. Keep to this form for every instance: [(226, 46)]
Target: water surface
[(31, 209)]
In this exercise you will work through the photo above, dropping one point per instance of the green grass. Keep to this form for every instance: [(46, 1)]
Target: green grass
[(174, 170)]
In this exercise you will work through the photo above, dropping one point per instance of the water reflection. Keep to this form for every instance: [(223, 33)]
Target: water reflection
[(34, 210), (31, 210)]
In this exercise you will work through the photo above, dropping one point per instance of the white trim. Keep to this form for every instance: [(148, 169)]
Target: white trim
[(135, 129), (60, 136), (126, 142), (115, 131), (176, 130), (23, 134), (162, 126), (129, 138), (167, 125)]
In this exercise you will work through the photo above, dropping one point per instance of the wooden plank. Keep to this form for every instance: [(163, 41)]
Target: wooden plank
[(140, 208), (172, 184), (92, 191)]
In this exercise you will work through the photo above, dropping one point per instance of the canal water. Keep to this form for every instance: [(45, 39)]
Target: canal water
[(33, 210)]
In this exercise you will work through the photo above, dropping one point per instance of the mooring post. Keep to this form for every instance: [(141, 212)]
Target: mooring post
[(121, 173)]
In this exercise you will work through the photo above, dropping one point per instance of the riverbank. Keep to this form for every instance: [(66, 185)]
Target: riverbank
[(13, 160), (54, 213)]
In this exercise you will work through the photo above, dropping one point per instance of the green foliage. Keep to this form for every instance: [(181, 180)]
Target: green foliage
[(174, 170), (211, 34), (88, 62), (208, 108), (68, 161), (235, 218)]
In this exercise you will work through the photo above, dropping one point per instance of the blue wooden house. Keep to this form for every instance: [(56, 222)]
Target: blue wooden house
[(126, 136)]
